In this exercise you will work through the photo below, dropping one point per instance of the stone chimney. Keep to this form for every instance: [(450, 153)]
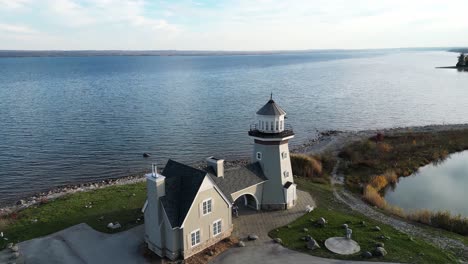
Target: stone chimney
[(217, 165)]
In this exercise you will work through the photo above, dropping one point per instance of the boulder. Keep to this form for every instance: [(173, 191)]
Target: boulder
[(345, 226), (308, 238), (146, 155), (380, 244), (16, 255), (20, 202), (305, 229), (241, 244), (366, 254), (321, 221), (312, 244), (380, 252), (9, 245), (278, 240), (252, 237), (15, 248), (376, 228), (114, 226)]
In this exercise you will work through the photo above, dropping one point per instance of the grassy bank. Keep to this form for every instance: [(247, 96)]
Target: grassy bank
[(317, 168), (373, 164), (96, 208), (400, 247)]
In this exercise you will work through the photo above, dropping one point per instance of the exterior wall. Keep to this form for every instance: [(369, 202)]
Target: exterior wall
[(255, 190), (153, 214), (274, 166), (196, 220)]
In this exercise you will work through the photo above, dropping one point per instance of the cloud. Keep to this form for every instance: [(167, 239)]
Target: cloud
[(19, 29), (13, 4)]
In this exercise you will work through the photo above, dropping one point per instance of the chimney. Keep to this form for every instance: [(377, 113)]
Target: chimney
[(217, 165)]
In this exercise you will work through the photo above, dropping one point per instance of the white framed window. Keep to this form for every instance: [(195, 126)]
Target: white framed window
[(263, 125), (266, 123), (272, 126), (259, 156), (207, 206), (277, 125), (284, 155), (195, 237), (217, 227), (286, 174), (281, 124)]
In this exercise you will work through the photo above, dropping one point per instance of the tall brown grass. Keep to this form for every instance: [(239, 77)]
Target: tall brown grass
[(306, 166)]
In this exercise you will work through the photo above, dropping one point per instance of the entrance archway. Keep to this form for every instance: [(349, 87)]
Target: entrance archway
[(247, 201)]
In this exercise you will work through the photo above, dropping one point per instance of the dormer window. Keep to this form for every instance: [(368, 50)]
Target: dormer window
[(207, 206)]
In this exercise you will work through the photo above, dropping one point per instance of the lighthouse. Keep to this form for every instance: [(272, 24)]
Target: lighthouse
[(271, 137)]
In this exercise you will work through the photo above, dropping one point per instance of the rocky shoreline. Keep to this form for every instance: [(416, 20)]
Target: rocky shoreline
[(326, 140)]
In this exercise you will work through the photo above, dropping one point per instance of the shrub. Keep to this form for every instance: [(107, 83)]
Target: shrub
[(306, 166), (372, 196), (384, 147), (391, 176), (378, 182)]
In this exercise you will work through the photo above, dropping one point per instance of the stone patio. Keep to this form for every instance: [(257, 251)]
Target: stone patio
[(261, 222)]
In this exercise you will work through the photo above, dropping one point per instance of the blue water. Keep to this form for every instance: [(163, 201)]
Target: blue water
[(78, 119), (440, 187)]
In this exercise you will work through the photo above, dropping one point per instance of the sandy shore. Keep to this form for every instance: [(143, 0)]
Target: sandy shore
[(326, 141)]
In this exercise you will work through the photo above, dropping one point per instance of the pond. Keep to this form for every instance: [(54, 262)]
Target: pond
[(435, 187)]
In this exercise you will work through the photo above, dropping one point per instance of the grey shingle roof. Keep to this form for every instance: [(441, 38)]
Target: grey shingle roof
[(271, 108), (182, 184), (236, 179)]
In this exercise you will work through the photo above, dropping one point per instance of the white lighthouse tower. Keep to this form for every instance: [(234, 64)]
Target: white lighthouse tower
[(271, 150)]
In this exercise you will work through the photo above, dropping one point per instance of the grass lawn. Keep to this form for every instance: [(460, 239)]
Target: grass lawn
[(115, 203), (400, 247)]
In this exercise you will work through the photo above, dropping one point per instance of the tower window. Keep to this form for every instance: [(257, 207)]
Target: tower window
[(284, 154), (271, 125), (259, 156), (281, 124), (263, 125), (286, 174), (266, 125), (276, 125)]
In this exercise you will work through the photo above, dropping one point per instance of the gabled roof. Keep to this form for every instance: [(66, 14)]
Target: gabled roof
[(182, 184), (271, 108), (239, 178)]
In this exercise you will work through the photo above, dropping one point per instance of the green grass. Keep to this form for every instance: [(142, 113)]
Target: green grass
[(400, 247), (115, 203)]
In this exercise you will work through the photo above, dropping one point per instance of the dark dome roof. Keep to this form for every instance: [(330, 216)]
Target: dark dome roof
[(271, 108)]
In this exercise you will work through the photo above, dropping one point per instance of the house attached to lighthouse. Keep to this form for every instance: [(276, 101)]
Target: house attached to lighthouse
[(189, 209)]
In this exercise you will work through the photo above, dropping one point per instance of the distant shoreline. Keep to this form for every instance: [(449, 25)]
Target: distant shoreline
[(101, 53)]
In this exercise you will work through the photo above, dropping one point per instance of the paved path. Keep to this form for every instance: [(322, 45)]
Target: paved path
[(261, 222), (267, 252), (81, 244)]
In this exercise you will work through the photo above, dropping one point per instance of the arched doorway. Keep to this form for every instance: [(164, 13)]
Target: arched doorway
[(247, 202)]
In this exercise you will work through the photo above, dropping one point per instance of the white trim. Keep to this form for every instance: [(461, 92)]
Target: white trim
[(221, 225), (228, 202), (274, 139), (199, 237), (193, 202), (210, 207)]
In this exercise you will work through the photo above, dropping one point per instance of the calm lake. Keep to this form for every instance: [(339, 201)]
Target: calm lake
[(435, 187), (79, 119)]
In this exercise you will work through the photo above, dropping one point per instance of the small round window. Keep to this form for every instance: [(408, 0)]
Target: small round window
[(259, 155)]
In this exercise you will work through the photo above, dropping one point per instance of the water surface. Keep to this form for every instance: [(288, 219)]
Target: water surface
[(78, 119), (435, 187)]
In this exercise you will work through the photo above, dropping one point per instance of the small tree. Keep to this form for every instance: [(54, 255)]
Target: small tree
[(461, 60)]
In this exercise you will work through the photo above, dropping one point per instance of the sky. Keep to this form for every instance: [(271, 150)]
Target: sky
[(231, 25)]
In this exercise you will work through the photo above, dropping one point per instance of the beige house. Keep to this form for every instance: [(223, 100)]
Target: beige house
[(189, 209)]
